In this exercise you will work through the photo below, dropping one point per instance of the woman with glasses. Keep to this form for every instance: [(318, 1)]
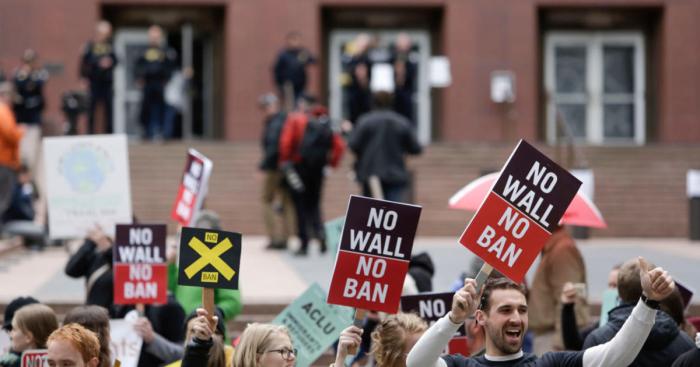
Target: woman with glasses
[(391, 340), (265, 345)]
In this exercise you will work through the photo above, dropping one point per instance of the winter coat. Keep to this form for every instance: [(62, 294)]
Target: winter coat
[(664, 344), (88, 260), (270, 141), (421, 268), (380, 140)]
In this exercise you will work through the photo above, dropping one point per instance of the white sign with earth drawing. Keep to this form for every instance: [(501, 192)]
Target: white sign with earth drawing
[(87, 180)]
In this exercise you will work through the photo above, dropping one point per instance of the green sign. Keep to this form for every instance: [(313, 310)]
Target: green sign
[(313, 324), (334, 228), (609, 302)]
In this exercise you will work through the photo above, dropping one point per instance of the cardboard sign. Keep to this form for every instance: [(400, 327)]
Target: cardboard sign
[(125, 344), (610, 301), (87, 183), (521, 211), (34, 358), (375, 249), (432, 307), (333, 229), (209, 258), (313, 324), (140, 272), (193, 188)]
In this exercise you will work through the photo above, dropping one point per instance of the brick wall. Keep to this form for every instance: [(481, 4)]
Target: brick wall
[(640, 191)]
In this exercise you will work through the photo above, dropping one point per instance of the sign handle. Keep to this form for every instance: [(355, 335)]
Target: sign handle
[(208, 304), (375, 187), (117, 363), (141, 309), (358, 322), (481, 277)]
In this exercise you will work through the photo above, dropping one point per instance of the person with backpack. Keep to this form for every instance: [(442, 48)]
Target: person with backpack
[(278, 209), (307, 145)]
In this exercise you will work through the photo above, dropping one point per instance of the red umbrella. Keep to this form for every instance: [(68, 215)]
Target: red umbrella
[(581, 212)]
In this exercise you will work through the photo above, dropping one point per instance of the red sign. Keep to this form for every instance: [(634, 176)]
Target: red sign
[(140, 272), (193, 188), (375, 249), (431, 307), (34, 358), (521, 211)]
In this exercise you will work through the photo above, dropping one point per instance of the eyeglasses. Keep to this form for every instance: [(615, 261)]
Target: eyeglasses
[(285, 352)]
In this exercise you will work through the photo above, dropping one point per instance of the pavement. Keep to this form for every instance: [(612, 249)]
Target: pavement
[(278, 277)]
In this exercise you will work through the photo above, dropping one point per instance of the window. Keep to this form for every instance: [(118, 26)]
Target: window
[(595, 80)]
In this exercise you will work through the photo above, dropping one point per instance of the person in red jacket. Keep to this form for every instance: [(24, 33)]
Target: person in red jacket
[(10, 136), (307, 145)]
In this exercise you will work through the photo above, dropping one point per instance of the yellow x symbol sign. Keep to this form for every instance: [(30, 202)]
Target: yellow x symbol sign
[(210, 256)]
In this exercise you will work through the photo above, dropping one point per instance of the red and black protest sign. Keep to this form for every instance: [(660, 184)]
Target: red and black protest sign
[(193, 188), (431, 307), (521, 211), (34, 358), (140, 272), (375, 249), (209, 258)]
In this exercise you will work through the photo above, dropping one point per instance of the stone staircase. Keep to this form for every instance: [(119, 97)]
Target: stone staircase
[(639, 190)]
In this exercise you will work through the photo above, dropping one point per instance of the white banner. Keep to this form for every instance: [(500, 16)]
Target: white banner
[(87, 180), (125, 343)]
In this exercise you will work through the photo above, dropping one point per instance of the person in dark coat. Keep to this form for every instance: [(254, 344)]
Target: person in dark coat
[(29, 82), (690, 358), (97, 67), (360, 71), (93, 261), (380, 140), (278, 212), (153, 71), (665, 342), (290, 68), (421, 269)]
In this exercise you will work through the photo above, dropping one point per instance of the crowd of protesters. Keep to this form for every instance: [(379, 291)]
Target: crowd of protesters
[(639, 332)]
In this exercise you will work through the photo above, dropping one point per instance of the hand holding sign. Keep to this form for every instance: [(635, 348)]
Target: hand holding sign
[(656, 283), (464, 302), (201, 326), (350, 340)]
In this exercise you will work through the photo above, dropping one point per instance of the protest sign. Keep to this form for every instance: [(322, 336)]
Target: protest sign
[(520, 212), (34, 358), (125, 344), (610, 301), (432, 307), (193, 188), (209, 258), (375, 249), (87, 183), (313, 324), (140, 272), (333, 229)]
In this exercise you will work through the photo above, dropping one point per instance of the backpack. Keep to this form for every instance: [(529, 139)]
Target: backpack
[(316, 142)]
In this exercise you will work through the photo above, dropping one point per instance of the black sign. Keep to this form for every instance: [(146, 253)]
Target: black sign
[(209, 258), (430, 307), (139, 243), (380, 227), (536, 186)]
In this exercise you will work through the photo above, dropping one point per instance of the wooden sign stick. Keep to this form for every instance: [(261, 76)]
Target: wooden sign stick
[(141, 309), (208, 304), (359, 322), (481, 278)]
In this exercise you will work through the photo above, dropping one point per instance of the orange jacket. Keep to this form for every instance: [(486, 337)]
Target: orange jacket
[(10, 135), (292, 134)]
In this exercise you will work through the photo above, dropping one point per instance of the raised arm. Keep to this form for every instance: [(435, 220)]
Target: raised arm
[(624, 347), (427, 350)]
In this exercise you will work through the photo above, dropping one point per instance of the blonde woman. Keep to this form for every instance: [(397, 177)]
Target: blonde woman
[(265, 345), (31, 327), (391, 340)]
